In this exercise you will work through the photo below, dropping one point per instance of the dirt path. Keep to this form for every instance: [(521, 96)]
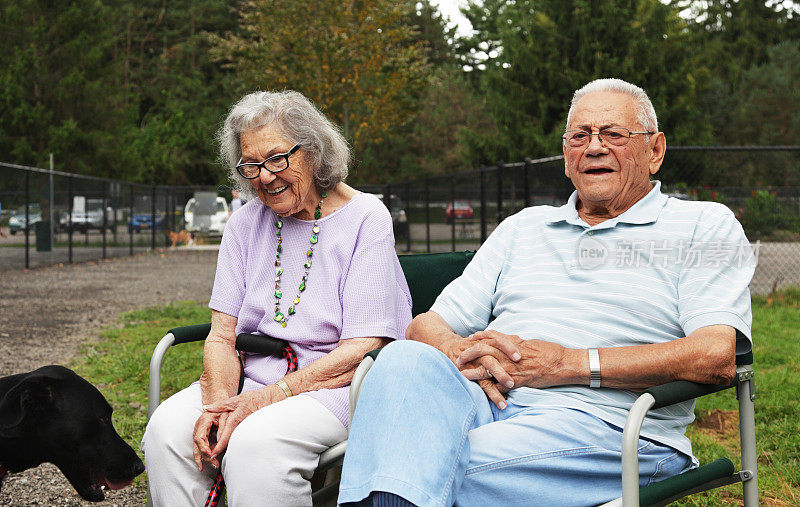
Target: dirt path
[(47, 314)]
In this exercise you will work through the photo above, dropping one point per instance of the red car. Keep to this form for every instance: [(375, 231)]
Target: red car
[(461, 210)]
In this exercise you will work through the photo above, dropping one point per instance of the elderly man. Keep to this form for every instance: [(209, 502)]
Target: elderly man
[(518, 381)]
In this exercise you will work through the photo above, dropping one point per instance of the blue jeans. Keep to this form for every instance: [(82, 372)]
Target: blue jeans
[(424, 432)]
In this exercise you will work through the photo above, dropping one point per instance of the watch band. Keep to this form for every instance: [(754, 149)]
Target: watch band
[(594, 368)]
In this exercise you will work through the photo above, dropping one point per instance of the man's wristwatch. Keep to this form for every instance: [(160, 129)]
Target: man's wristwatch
[(594, 368)]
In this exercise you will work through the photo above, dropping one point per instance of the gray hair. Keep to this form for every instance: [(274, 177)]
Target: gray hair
[(299, 121), (645, 114)]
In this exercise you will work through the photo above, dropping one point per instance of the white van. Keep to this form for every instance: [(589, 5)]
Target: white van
[(206, 213)]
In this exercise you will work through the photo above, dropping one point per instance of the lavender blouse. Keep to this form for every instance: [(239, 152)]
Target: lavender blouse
[(355, 286)]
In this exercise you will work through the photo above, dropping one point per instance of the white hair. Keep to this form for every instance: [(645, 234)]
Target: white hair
[(296, 118), (645, 114)]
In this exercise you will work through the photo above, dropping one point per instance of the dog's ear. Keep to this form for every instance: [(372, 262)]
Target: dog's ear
[(29, 398)]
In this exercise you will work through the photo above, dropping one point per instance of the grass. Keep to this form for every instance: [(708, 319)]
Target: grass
[(777, 387), (118, 364)]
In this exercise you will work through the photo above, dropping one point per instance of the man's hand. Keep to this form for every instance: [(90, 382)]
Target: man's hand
[(529, 363), (485, 369)]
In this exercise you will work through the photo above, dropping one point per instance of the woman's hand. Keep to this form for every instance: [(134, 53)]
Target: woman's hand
[(233, 411), (204, 436)]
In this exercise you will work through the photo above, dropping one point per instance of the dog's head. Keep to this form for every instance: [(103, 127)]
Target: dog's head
[(53, 415)]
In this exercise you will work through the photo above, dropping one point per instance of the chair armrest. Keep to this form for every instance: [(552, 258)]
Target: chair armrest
[(682, 390), (654, 397), (358, 379), (183, 334), (186, 334), (373, 353)]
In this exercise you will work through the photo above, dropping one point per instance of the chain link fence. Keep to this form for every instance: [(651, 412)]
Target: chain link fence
[(761, 185), (52, 217), (94, 218)]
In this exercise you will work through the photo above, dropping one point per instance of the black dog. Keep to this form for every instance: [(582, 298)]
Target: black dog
[(53, 415)]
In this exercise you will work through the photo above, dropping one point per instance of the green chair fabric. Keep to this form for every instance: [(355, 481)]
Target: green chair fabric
[(668, 488), (428, 274)]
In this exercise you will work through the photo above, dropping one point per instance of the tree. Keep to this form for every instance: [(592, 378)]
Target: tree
[(175, 96), (431, 141), (732, 35), (528, 57), (359, 62), (56, 93)]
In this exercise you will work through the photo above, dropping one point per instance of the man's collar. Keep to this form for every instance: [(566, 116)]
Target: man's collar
[(645, 211)]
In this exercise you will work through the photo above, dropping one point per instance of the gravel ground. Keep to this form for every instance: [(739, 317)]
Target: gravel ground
[(46, 314)]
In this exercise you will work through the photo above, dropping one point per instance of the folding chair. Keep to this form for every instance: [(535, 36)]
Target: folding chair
[(427, 275)]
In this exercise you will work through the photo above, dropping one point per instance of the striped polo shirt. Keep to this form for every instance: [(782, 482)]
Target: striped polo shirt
[(655, 273)]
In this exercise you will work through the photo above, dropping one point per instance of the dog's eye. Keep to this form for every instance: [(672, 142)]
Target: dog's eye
[(105, 420)]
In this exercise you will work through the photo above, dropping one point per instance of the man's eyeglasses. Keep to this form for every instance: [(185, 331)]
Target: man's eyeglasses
[(616, 136), (273, 164)]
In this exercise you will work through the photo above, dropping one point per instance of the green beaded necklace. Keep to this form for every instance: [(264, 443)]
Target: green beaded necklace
[(279, 316)]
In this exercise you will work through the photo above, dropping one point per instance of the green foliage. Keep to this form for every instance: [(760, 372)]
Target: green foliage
[(135, 89), (360, 62), (175, 96), (540, 52), (760, 214), (57, 62), (705, 194), (121, 89)]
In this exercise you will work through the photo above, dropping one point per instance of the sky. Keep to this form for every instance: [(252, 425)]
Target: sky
[(449, 8)]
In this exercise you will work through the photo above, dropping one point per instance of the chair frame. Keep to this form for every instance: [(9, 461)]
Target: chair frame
[(328, 460), (713, 475)]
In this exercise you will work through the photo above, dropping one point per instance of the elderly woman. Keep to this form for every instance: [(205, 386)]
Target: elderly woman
[(310, 261)]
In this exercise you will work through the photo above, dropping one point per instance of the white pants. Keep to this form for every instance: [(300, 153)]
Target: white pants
[(270, 458)]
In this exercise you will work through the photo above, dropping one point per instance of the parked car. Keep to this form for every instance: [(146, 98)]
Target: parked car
[(209, 217), (17, 221), (461, 210), (399, 217), (139, 222), (88, 214)]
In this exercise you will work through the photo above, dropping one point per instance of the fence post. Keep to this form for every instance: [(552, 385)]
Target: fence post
[(526, 181), (482, 179), (453, 214), (387, 196), (115, 196), (105, 219), (27, 219), (427, 216), (130, 222), (153, 218), (500, 168), (70, 205)]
